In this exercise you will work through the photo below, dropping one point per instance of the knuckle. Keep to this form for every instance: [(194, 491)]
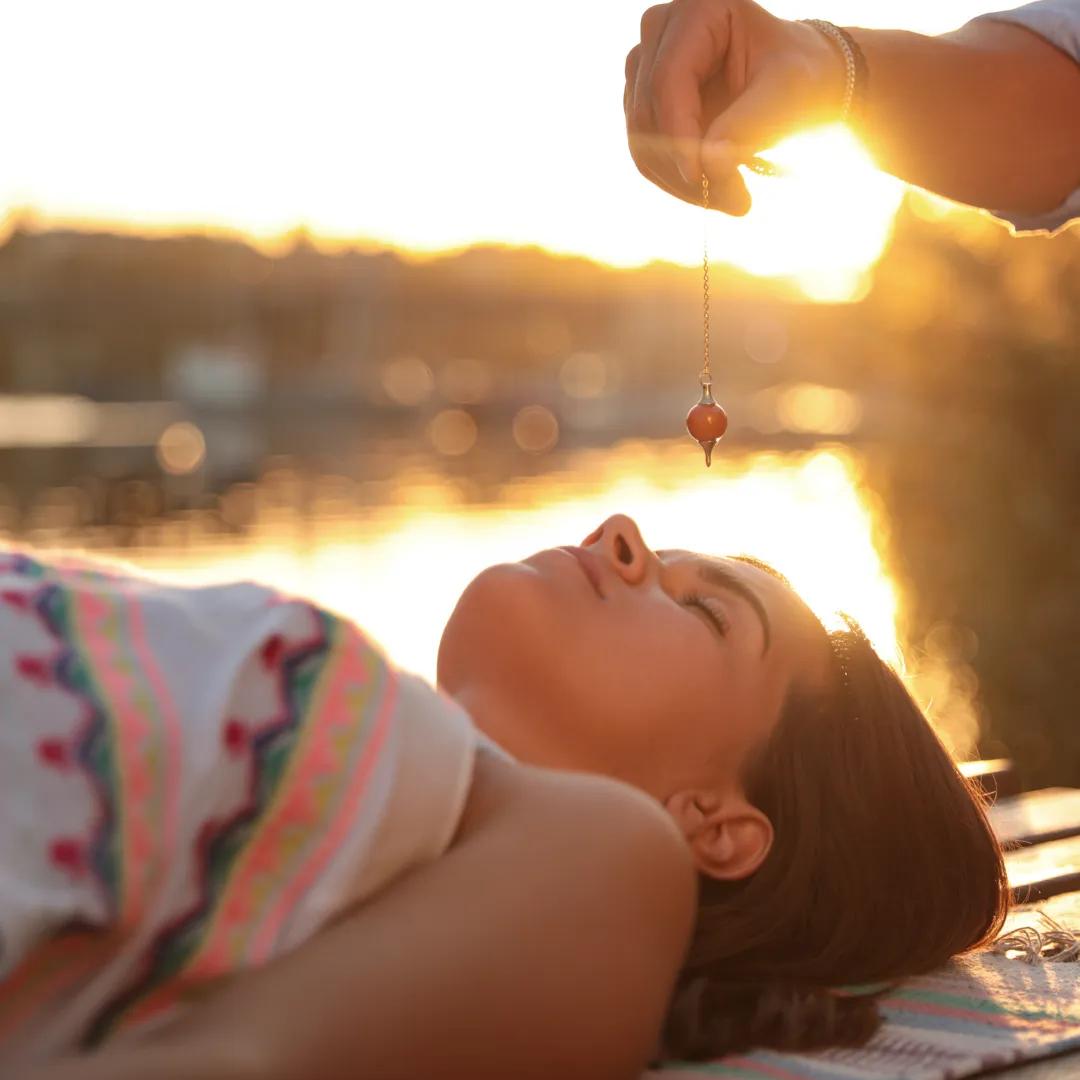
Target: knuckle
[(707, 9), (632, 58), (652, 18)]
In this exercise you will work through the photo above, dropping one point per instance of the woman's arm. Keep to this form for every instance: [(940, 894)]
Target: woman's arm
[(987, 115), (545, 943)]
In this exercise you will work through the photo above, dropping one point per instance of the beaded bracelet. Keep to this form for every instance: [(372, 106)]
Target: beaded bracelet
[(857, 72)]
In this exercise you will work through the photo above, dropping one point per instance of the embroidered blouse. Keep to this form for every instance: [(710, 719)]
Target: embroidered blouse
[(192, 781)]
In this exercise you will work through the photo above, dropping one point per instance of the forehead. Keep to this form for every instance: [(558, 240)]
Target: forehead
[(785, 606), (752, 570)]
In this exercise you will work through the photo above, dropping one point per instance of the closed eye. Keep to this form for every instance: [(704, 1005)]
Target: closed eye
[(713, 610)]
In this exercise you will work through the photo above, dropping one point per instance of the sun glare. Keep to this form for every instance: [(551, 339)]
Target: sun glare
[(823, 223)]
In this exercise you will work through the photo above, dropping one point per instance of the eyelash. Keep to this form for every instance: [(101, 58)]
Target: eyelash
[(715, 615)]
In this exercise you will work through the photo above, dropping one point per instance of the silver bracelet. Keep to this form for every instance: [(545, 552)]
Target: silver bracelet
[(843, 43)]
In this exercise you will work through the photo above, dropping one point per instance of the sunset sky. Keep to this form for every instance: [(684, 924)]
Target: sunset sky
[(422, 125)]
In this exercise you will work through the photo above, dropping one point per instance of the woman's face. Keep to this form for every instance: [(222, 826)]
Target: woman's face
[(661, 668)]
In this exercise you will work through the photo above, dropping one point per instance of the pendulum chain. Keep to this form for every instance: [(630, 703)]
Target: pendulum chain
[(706, 377), (706, 421)]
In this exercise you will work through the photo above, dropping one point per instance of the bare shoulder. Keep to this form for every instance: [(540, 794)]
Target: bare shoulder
[(605, 883), (615, 827)]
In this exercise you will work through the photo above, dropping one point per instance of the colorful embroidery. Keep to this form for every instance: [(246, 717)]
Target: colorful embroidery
[(203, 822), (115, 750), (91, 748), (309, 768)]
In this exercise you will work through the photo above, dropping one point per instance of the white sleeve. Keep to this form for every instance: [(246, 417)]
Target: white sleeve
[(1058, 21)]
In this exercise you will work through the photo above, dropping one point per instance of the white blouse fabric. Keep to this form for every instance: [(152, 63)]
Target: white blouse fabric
[(1058, 21)]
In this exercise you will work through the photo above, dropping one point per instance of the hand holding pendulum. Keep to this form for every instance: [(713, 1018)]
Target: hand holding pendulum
[(706, 421)]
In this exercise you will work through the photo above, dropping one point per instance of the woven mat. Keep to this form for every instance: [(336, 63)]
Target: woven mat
[(979, 1012)]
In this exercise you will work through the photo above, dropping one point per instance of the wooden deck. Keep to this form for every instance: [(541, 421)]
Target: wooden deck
[(1041, 833)]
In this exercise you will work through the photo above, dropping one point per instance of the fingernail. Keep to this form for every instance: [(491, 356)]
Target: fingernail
[(685, 170)]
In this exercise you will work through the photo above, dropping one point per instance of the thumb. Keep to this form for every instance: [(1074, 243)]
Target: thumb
[(728, 191)]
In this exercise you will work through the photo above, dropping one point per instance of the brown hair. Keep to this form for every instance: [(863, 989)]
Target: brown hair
[(883, 865)]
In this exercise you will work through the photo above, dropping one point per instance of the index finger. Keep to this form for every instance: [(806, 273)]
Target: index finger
[(692, 49)]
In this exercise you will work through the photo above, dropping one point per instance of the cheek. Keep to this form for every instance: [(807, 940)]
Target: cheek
[(666, 687), (647, 673)]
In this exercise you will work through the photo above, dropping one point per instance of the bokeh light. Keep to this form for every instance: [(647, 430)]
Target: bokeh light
[(181, 448), (765, 340), (407, 380), (823, 410), (536, 429), (586, 375), (452, 432)]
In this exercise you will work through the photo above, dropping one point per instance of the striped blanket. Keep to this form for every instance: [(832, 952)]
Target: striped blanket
[(979, 1012)]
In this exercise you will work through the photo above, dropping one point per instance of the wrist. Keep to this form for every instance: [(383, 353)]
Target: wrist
[(826, 68), (855, 77)]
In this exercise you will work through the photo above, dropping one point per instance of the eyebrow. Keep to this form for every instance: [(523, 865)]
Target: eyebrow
[(762, 565), (719, 575)]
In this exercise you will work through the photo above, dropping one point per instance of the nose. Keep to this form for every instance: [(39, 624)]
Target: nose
[(619, 540)]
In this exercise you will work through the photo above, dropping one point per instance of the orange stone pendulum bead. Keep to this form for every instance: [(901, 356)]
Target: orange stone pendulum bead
[(706, 421)]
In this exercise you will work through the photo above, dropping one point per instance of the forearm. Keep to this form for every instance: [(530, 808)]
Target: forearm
[(988, 115)]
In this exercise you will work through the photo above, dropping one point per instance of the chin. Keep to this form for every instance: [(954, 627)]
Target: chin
[(490, 627)]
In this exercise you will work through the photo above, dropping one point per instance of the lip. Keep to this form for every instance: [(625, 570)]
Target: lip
[(589, 566)]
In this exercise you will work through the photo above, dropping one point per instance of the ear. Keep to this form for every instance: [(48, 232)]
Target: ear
[(729, 838)]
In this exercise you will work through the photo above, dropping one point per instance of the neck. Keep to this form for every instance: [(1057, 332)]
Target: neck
[(535, 740), (525, 741)]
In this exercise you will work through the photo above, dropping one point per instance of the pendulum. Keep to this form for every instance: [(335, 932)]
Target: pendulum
[(706, 421)]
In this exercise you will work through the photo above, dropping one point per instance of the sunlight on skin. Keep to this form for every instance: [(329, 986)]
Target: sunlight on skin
[(400, 574), (243, 117)]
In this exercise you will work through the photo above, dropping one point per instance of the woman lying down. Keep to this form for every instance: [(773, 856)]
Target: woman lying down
[(654, 812)]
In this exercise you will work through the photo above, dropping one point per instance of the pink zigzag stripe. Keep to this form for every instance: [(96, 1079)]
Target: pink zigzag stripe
[(171, 724), (165, 995), (291, 805), (335, 833), (100, 624)]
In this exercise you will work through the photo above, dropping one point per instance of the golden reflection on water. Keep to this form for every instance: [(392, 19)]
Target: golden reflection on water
[(398, 569)]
